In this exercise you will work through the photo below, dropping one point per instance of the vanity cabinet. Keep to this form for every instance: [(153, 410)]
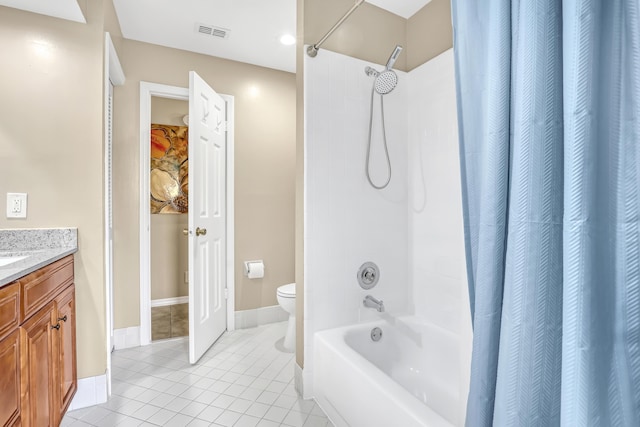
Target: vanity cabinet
[(10, 379), (38, 355)]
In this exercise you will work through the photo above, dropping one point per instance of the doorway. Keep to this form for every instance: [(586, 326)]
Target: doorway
[(169, 245), (149, 91)]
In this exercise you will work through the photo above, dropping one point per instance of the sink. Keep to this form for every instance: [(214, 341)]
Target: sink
[(6, 260)]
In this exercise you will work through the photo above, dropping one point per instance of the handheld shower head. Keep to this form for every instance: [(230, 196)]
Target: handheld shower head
[(393, 57), (387, 79)]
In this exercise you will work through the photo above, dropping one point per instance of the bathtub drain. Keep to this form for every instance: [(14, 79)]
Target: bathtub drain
[(376, 334)]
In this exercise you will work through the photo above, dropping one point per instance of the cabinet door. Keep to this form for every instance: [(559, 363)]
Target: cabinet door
[(37, 368), (10, 379), (65, 337)]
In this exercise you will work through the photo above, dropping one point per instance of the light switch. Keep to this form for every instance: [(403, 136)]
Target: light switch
[(16, 205)]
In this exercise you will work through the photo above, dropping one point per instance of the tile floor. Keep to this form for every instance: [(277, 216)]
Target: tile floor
[(170, 321), (242, 381)]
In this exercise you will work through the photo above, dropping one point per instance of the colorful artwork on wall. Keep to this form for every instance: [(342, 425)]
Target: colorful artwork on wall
[(169, 179)]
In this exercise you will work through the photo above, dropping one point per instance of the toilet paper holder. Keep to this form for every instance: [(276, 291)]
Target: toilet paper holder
[(247, 265)]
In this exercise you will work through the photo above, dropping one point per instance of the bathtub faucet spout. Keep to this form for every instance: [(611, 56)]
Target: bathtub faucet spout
[(371, 302)]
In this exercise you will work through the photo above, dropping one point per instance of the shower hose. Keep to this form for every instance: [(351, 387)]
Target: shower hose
[(384, 139)]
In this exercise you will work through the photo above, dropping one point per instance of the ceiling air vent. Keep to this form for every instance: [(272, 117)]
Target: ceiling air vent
[(212, 30)]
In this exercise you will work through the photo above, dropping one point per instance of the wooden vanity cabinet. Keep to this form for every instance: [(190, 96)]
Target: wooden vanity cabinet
[(10, 379), (37, 368), (10, 355), (38, 357), (65, 352)]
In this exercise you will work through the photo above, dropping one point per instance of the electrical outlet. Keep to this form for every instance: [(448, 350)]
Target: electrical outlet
[(16, 205)]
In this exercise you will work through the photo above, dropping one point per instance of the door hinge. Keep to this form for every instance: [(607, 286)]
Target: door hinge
[(226, 293)]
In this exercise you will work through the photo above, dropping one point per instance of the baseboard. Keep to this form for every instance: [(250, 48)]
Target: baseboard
[(302, 381), (260, 316), (169, 301), (126, 338), (91, 391)]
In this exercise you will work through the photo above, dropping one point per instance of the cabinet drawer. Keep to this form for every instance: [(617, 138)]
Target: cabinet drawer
[(39, 287), (9, 308)]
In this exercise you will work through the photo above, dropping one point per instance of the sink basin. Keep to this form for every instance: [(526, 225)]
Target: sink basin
[(6, 260)]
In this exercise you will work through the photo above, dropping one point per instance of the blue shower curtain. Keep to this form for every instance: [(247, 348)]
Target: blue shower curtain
[(549, 121)]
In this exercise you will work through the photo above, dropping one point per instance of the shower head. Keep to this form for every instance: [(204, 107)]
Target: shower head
[(385, 82), (393, 57), (387, 79)]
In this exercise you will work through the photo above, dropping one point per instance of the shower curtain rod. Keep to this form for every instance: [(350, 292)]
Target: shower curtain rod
[(312, 50)]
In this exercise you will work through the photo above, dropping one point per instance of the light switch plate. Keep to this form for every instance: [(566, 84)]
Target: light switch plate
[(16, 205)]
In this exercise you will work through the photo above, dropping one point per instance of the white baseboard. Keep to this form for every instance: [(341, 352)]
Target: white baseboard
[(260, 316), (169, 301), (126, 337), (302, 381), (91, 391)]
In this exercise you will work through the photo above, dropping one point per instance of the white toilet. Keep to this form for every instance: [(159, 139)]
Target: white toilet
[(287, 299)]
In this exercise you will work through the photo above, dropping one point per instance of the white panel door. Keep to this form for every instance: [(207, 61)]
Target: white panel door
[(207, 217)]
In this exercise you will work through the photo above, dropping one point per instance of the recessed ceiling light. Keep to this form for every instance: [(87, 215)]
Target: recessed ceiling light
[(287, 40)]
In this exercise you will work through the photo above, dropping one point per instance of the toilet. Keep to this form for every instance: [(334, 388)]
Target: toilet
[(286, 295)]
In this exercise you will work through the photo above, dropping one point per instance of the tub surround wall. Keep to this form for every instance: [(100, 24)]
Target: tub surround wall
[(436, 233), (369, 34), (347, 222), (413, 229)]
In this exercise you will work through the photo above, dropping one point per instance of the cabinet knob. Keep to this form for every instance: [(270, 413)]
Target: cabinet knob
[(64, 319), (56, 327)]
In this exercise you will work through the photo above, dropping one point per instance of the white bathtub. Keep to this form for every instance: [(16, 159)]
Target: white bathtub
[(405, 379)]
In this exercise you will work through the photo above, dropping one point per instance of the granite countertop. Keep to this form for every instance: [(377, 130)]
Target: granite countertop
[(38, 246)]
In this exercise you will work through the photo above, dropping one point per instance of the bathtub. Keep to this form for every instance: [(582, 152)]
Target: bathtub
[(405, 379)]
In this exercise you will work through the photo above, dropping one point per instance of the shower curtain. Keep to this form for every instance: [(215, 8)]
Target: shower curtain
[(549, 120)]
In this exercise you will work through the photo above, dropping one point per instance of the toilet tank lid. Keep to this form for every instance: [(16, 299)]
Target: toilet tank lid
[(288, 290)]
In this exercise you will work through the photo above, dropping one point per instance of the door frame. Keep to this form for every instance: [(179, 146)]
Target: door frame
[(147, 91), (113, 76)]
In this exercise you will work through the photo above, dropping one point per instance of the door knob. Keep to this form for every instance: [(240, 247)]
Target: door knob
[(201, 231), (185, 231)]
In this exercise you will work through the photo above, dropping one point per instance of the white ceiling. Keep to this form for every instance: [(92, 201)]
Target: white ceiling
[(255, 26), (404, 8), (65, 9)]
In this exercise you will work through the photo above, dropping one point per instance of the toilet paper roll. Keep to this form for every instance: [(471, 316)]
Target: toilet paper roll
[(256, 270)]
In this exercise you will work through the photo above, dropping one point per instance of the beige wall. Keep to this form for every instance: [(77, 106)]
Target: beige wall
[(169, 256), (51, 145), (369, 34), (264, 168), (165, 111), (169, 247), (429, 33)]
